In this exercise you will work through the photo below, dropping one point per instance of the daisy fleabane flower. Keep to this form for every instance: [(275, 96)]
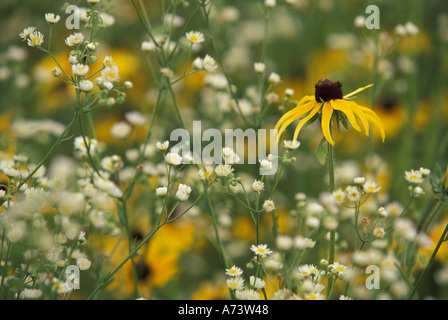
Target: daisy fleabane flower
[(414, 176), (110, 74), (183, 192), (223, 170), (209, 64), (52, 18), (27, 32), (80, 69), (162, 146), (338, 268), (195, 37), (371, 187), (234, 271), (291, 144), (261, 250), (83, 263), (74, 39), (206, 173), (235, 283), (173, 158), (35, 39)]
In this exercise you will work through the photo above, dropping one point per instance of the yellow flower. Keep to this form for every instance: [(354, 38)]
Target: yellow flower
[(327, 99)]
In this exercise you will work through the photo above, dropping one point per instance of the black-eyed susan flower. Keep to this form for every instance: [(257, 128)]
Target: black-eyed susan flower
[(329, 101)]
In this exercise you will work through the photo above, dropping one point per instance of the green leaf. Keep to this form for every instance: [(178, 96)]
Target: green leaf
[(321, 152)]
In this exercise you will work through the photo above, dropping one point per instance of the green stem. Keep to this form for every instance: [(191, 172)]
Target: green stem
[(330, 163)]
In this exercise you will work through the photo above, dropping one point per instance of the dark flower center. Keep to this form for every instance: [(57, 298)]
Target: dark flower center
[(327, 90)]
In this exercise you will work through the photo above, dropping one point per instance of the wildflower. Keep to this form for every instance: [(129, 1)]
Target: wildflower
[(56, 72), (234, 271), (205, 174), (360, 21), (209, 63), (382, 213), (302, 243), (274, 78), (270, 3), (11, 172), (110, 74), (35, 39), (51, 18), (425, 172), (353, 194), (83, 263), (339, 268), (195, 37), (161, 192), (136, 118), (247, 294), (411, 28), (284, 242), (359, 180), (173, 158), (120, 130), (269, 205), (183, 192), (86, 85), (223, 170), (418, 192), (379, 232), (162, 146), (371, 187), (31, 293), (265, 164), (148, 46), (93, 2), (74, 39), (257, 186), (261, 250), (328, 98), (257, 283), (259, 67), (235, 283), (291, 144), (413, 176), (27, 32), (80, 69), (338, 196)]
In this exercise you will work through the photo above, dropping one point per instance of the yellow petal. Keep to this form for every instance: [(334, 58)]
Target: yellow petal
[(358, 112), (306, 119), (327, 112), (293, 115), (344, 107), (378, 124), (356, 91)]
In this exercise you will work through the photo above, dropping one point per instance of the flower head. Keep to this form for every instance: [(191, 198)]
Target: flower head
[(52, 18), (261, 250), (328, 100), (195, 36), (413, 176), (234, 271), (27, 32), (35, 39)]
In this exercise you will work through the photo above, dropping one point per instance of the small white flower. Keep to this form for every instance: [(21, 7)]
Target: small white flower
[(359, 180), (209, 63), (353, 194), (161, 192), (110, 74), (198, 63), (413, 176), (35, 39), (259, 67), (411, 28), (269, 205), (80, 69), (274, 78), (83, 263), (257, 186), (195, 37), (261, 250), (27, 32), (74, 39), (338, 196), (11, 172), (371, 187), (120, 130), (379, 232), (223, 170), (56, 72), (173, 159), (425, 172), (205, 174), (270, 3), (382, 213), (360, 21), (183, 192), (235, 283), (291, 144), (234, 271), (284, 242), (148, 46), (257, 283), (86, 85), (265, 164), (418, 192), (51, 18), (162, 146)]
